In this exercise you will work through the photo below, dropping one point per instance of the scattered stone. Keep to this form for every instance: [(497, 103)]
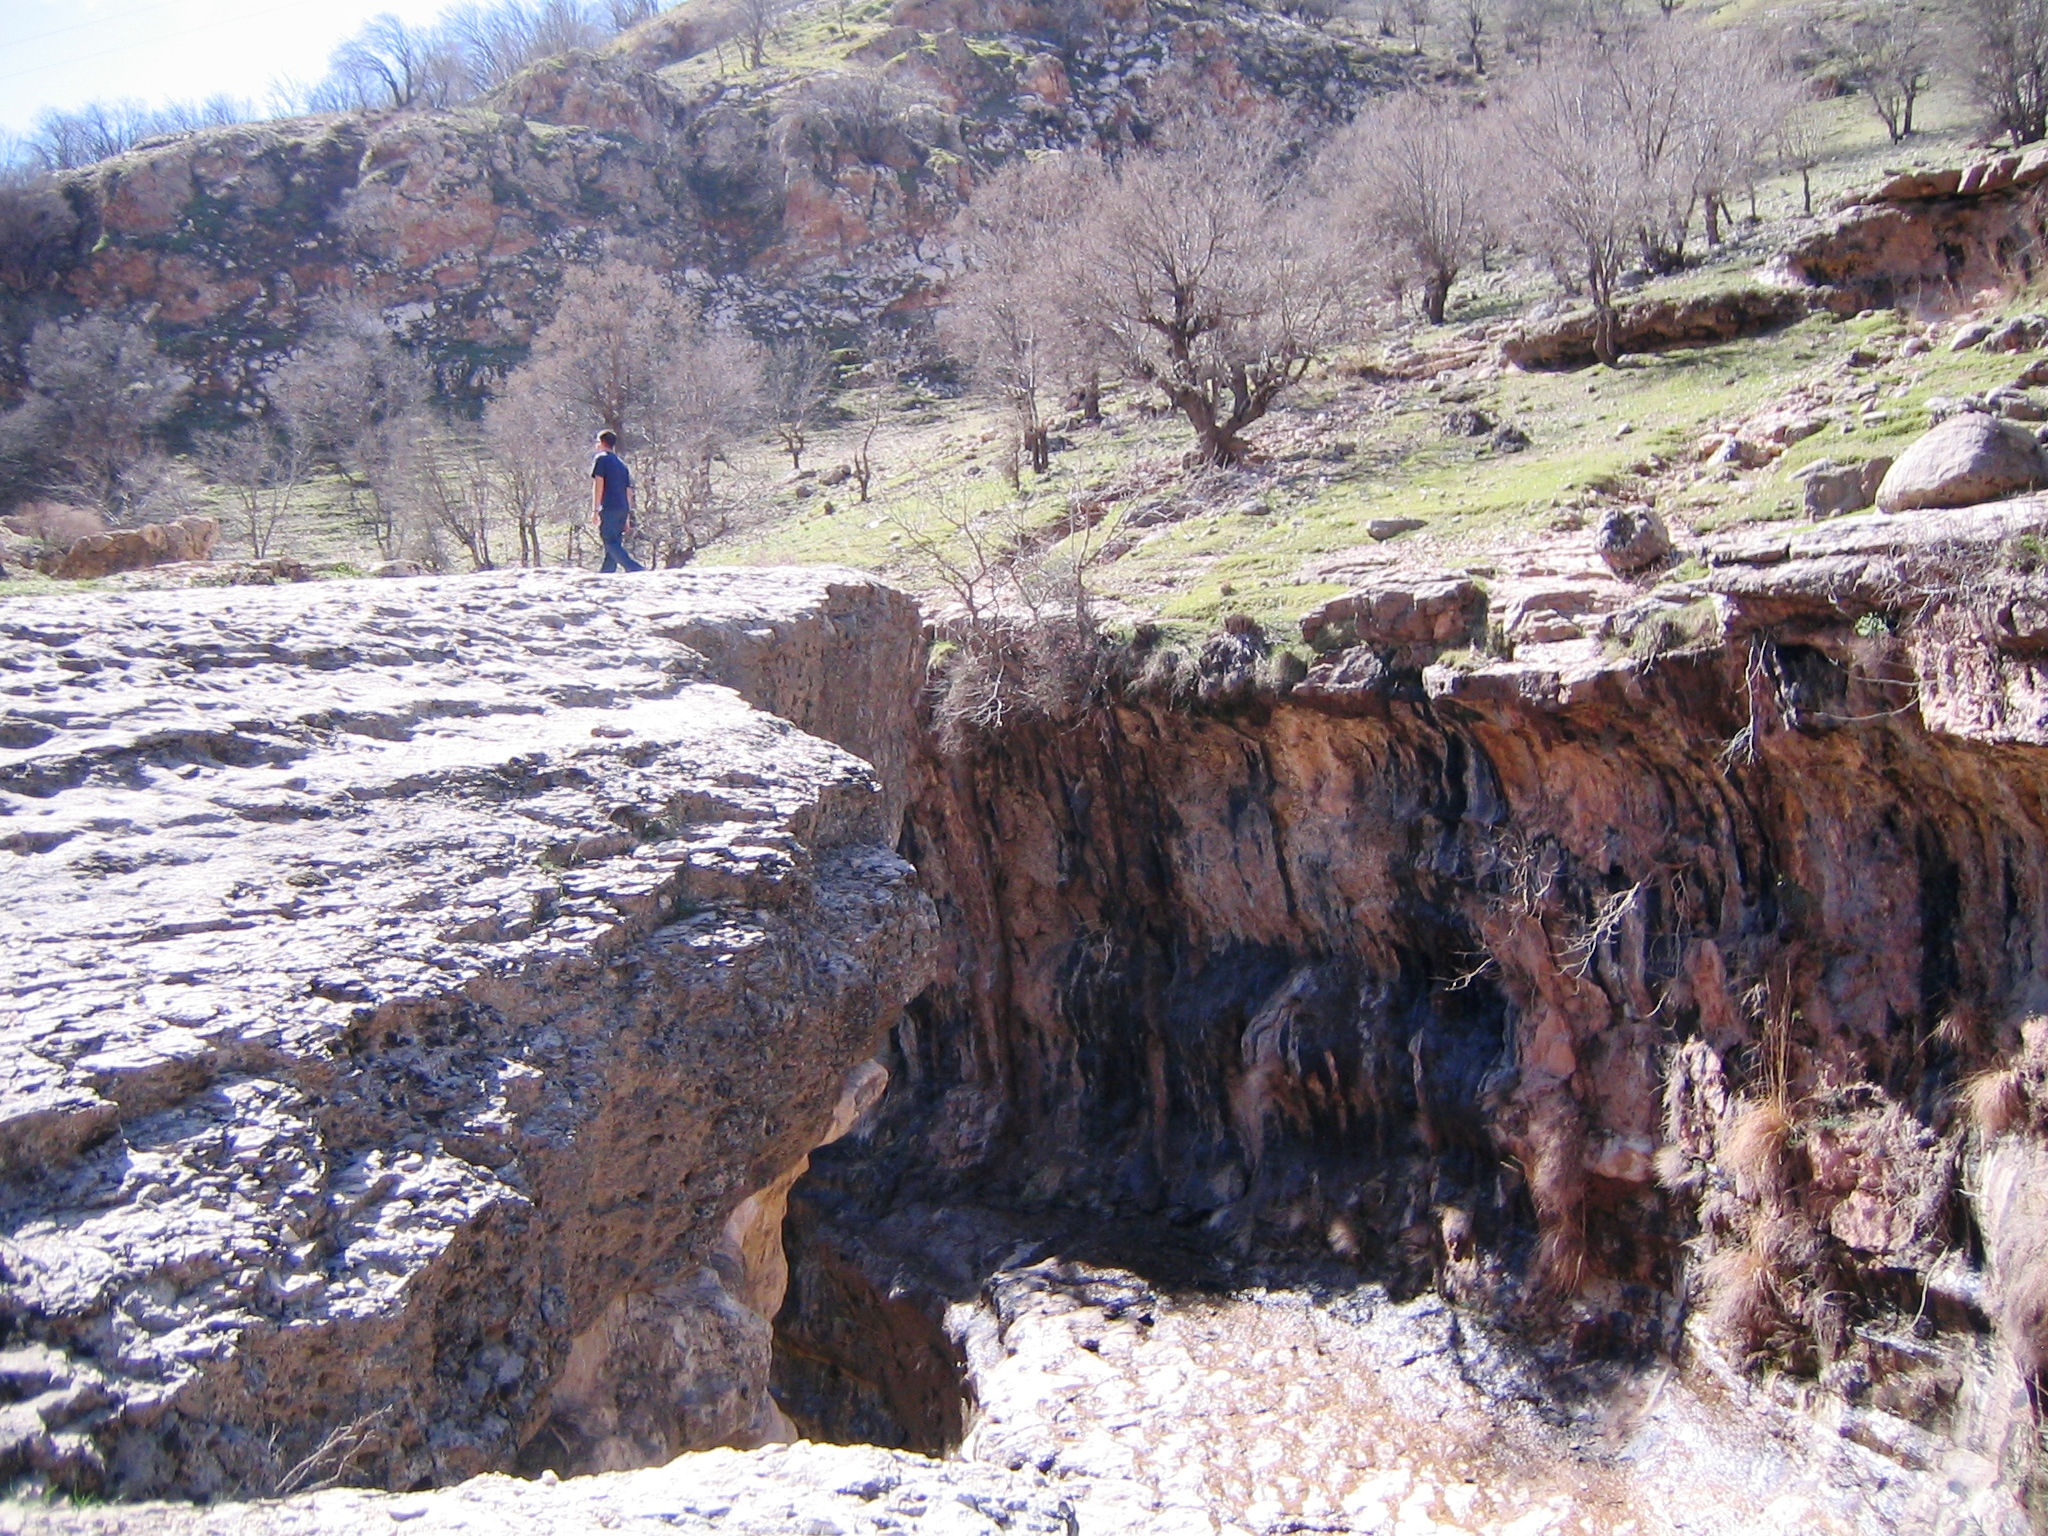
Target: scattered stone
[(1467, 423), (1509, 439), (1625, 429), (1915, 346), (1632, 539), (135, 549), (396, 568), (2022, 333), (2015, 405), (838, 474), (1967, 459), (1380, 529), (1835, 490), (1941, 408), (2035, 373), (1969, 336)]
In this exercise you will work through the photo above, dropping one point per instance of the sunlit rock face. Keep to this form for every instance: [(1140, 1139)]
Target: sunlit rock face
[(403, 981)]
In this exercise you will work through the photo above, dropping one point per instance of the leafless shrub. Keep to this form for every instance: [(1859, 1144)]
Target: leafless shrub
[(98, 391), (795, 378), (261, 467), (1020, 623), (329, 1462), (1410, 185)]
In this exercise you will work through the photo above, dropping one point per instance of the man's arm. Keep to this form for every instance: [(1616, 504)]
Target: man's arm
[(596, 494)]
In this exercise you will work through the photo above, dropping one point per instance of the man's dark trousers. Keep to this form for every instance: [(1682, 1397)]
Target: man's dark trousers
[(611, 527)]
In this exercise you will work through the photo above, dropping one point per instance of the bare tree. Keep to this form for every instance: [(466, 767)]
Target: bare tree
[(98, 391), (1803, 140), (1528, 26), (795, 378), (391, 64), (2006, 48), (1411, 186), (1204, 270), (1890, 51), (1416, 16), (537, 465), (625, 351), (1582, 196), (756, 21), (453, 483), (1471, 22), (1004, 318)]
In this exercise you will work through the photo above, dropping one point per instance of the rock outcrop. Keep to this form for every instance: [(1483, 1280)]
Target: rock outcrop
[(406, 986), (135, 549), (1927, 237), (1655, 325)]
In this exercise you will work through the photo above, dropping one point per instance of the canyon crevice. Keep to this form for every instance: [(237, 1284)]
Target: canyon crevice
[(1446, 1085)]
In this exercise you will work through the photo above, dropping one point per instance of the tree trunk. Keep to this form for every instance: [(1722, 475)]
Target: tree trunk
[(1713, 216), (1436, 296), (1806, 188), (1038, 443), (1604, 329)]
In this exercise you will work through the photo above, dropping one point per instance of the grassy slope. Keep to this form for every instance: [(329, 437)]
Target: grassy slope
[(1346, 451)]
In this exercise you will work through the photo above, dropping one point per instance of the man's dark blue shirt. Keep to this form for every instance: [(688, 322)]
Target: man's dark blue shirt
[(611, 469)]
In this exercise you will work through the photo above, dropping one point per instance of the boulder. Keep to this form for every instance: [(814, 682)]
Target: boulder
[(1380, 529), (134, 549), (1844, 488), (1632, 539), (1425, 610), (1965, 460)]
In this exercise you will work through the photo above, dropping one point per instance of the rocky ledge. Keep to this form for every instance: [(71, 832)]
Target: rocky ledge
[(406, 988)]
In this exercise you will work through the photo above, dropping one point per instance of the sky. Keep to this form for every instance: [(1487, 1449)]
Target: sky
[(64, 53)]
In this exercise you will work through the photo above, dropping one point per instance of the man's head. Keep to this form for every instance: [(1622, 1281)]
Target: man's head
[(607, 440)]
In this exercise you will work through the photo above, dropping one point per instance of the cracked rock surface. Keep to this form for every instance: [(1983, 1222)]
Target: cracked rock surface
[(400, 978)]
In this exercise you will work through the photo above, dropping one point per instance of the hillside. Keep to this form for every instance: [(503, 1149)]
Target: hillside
[(813, 193)]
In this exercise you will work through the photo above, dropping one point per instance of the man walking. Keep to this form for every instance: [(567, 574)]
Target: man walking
[(611, 503)]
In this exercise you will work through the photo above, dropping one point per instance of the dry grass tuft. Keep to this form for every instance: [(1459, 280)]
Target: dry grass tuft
[(1997, 1101), (1739, 1299), (1758, 1143), (1676, 1171)]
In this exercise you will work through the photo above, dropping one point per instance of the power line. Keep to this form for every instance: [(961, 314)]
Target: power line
[(78, 26), (150, 42)]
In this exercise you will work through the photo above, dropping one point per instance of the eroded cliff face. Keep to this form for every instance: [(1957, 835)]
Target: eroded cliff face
[(1625, 992), (775, 204), (416, 998)]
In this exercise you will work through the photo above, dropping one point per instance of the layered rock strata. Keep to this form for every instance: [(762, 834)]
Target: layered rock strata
[(405, 988)]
